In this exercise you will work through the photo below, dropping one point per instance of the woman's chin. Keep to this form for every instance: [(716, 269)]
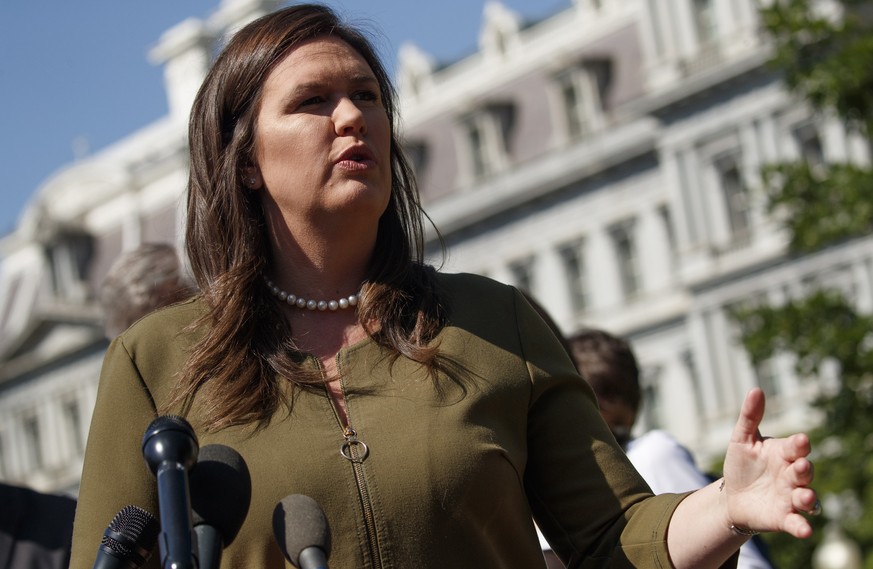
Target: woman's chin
[(362, 197)]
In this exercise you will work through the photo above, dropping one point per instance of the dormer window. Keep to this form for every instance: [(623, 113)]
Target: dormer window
[(417, 154), (69, 255), (579, 91), (484, 144)]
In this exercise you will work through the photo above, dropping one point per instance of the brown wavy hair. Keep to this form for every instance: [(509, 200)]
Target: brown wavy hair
[(245, 344)]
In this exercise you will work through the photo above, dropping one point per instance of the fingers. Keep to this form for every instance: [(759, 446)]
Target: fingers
[(751, 414), (795, 447), (804, 500), (798, 526), (804, 472)]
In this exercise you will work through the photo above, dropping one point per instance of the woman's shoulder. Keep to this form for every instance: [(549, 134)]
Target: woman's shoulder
[(480, 299), (153, 349), (470, 283), (166, 321)]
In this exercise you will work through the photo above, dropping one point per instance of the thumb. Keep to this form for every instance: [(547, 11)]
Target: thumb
[(751, 414)]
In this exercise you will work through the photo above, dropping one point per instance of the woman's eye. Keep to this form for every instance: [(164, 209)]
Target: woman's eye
[(366, 96), (311, 101)]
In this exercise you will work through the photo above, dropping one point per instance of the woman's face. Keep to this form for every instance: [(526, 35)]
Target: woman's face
[(323, 137)]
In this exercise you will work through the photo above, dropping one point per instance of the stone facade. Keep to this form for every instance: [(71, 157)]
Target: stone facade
[(607, 160), (76, 225)]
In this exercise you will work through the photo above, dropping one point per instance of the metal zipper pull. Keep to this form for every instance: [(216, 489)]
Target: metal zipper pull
[(353, 449)]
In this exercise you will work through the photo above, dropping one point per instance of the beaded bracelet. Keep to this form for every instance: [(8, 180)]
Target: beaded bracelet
[(736, 530)]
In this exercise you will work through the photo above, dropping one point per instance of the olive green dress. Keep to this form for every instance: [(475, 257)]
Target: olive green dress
[(452, 477)]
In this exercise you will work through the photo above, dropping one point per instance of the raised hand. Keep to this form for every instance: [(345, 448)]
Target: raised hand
[(766, 480)]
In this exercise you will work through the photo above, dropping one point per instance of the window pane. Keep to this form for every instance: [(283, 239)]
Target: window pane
[(573, 259), (33, 446), (626, 255), (477, 149), (572, 108), (809, 142), (523, 275), (737, 200), (73, 423), (704, 20)]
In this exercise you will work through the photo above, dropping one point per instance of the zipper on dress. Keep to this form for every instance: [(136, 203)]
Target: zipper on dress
[(356, 451)]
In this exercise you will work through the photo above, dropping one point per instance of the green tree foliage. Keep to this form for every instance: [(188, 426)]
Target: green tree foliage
[(821, 204), (824, 53), (824, 330), (826, 59)]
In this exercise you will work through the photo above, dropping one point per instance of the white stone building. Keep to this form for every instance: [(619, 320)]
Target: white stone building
[(605, 159), (79, 221)]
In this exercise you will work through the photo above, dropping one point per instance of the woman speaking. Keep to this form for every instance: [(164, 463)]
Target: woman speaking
[(430, 415)]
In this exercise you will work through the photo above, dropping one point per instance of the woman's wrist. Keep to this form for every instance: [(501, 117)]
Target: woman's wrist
[(735, 529)]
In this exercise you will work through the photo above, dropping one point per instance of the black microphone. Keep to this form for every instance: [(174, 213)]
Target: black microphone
[(221, 492), (128, 541), (169, 447), (302, 531)]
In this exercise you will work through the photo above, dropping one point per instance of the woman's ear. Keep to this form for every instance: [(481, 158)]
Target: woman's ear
[(252, 178)]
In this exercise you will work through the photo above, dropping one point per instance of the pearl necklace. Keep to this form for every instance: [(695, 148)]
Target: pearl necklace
[(300, 302)]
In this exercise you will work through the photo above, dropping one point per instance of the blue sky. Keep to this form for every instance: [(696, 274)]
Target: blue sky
[(75, 74)]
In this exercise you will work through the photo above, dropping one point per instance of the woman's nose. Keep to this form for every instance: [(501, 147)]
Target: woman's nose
[(348, 118)]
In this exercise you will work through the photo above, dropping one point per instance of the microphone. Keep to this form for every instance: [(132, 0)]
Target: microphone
[(169, 447), (221, 492), (128, 541), (302, 531)]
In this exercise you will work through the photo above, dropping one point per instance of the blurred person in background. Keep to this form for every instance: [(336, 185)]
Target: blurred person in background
[(608, 363), (140, 281), (36, 529)]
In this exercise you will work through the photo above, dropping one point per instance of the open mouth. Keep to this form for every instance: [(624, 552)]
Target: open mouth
[(360, 154)]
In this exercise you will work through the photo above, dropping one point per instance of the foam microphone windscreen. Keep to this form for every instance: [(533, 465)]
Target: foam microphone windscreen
[(130, 536), (221, 490), (299, 523)]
